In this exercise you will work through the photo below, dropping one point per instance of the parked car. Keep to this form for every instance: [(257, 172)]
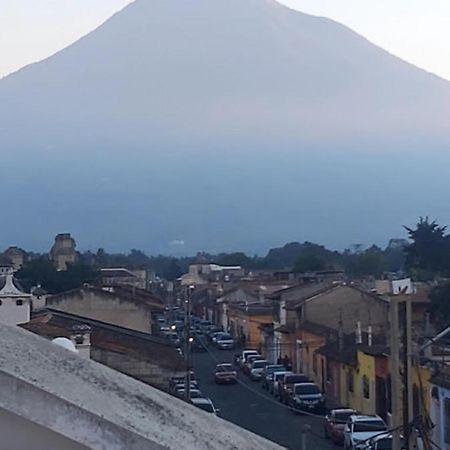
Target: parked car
[(243, 355), (360, 429), (179, 386), (384, 442), (206, 404), (250, 359), (308, 397), (194, 393), (286, 386), (213, 335), (277, 377), (256, 369), (205, 326), (268, 372), (225, 374), (334, 425), (225, 341)]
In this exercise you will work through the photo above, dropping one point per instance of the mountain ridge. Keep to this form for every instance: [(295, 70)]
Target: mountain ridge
[(228, 106)]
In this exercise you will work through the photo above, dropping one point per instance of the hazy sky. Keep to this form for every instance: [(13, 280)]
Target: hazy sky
[(416, 30)]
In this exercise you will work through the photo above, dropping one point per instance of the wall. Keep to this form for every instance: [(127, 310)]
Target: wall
[(20, 434), (349, 305), (13, 314), (137, 368), (365, 369), (54, 418), (104, 306), (310, 343), (249, 324), (438, 415)]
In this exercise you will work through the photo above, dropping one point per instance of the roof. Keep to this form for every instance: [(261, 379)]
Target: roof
[(117, 273), (285, 329), (346, 355), (130, 412), (128, 293), (327, 287), (10, 287)]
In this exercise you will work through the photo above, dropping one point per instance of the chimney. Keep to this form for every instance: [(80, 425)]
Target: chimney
[(81, 338), (358, 333)]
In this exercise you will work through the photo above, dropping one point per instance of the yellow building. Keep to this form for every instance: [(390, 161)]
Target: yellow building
[(246, 321)]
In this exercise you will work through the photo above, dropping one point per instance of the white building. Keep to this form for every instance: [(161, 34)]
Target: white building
[(15, 305), (51, 398), (440, 408)]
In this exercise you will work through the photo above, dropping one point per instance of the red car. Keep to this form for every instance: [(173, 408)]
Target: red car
[(225, 374), (335, 424)]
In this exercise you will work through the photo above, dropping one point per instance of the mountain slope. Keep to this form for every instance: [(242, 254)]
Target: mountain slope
[(175, 90)]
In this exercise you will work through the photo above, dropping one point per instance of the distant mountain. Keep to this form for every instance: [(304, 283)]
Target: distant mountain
[(181, 125)]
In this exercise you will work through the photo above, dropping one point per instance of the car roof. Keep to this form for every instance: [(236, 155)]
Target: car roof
[(281, 372), (342, 410), (309, 383), (381, 436), (362, 418), (202, 401)]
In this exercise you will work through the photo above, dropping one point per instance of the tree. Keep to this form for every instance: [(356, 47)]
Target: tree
[(172, 271), (309, 263), (370, 262), (235, 259), (428, 255), (440, 302), (41, 271)]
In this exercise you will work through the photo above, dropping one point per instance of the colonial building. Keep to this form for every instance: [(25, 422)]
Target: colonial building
[(15, 304), (124, 306), (122, 276), (17, 256), (140, 355), (63, 251)]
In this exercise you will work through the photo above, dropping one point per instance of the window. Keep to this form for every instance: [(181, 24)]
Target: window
[(350, 381), (1, 303), (447, 420), (366, 387), (19, 302), (315, 364)]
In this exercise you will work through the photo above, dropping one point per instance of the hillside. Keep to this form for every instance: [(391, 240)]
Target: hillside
[(221, 112)]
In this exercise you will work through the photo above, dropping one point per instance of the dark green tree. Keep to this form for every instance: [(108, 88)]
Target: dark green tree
[(440, 303), (428, 255), (370, 262)]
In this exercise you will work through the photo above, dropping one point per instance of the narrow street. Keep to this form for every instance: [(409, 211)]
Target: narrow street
[(250, 407)]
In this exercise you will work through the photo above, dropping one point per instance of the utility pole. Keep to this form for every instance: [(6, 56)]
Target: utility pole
[(395, 373), (408, 430), (188, 340)]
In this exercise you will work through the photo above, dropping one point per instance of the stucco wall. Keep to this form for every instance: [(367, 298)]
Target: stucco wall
[(18, 433), (366, 366), (142, 370), (351, 306), (66, 419), (13, 314), (105, 307)]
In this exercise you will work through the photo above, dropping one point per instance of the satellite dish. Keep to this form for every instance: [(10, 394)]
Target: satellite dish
[(65, 343)]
